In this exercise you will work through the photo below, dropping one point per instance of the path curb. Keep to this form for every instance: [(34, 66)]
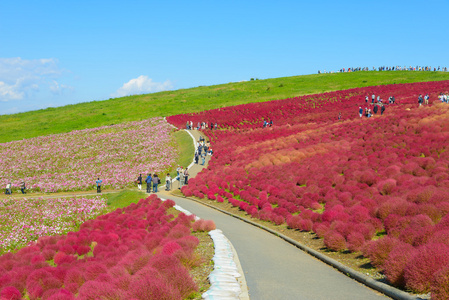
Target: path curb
[(366, 280)]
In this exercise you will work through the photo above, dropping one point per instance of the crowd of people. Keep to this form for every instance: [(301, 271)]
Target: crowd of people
[(268, 123), (151, 180), (444, 97), (377, 104), (389, 68), (201, 125), (202, 149)]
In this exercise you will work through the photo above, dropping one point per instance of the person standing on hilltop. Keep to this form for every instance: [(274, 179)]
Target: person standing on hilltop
[(372, 98)]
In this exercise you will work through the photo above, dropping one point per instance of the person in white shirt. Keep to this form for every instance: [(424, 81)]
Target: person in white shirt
[(167, 182), (8, 189)]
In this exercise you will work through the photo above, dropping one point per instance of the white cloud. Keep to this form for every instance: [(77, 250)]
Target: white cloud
[(57, 88), (20, 78), (142, 85), (9, 92)]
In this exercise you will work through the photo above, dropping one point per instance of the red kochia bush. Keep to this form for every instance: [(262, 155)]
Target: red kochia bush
[(440, 284), (386, 187), (335, 241), (10, 293), (355, 241), (378, 251), (427, 261), (203, 225), (92, 290), (395, 263), (153, 288), (186, 191), (124, 243)]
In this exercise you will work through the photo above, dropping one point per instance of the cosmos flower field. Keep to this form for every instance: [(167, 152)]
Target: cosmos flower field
[(377, 185), (73, 161), (25, 220)]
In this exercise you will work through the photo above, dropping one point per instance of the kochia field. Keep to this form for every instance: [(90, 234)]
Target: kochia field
[(379, 185)]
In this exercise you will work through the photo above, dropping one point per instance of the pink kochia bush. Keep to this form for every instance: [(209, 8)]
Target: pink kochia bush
[(378, 185), (138, 252)]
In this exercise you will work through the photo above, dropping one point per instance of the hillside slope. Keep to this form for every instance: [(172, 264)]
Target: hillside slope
[(134, 108)]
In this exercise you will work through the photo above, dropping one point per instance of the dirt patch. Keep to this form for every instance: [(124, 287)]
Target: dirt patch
[(205, 251)]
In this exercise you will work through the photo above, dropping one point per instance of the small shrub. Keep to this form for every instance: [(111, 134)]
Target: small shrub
[(355, 241), (93, 290), (203, 225), (335, 241), (378, 251), (395, 263), (386, 187), (428, 260), (10, 293), (440, 284)]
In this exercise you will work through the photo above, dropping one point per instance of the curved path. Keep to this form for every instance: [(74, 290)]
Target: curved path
[(275, 269)]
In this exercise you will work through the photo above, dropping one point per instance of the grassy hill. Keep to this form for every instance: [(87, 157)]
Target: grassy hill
[(132, 108)]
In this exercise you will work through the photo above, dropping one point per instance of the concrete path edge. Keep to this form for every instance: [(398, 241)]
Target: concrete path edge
[(366, 280)]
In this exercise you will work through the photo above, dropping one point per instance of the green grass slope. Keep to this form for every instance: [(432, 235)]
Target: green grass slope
[(133, 108)]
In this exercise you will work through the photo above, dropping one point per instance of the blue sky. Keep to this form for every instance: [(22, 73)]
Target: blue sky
[(54, 53)]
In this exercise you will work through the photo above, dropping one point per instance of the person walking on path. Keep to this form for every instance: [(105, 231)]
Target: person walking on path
[(98, 182), (139, 182), (167, 182), (148, 181), (22, 187), (8, 190), (203, 158), (197, 157), (375, 109), (361, 111), (181, 179), (155, 183), (382, 109), (186, 176), (426, 99)]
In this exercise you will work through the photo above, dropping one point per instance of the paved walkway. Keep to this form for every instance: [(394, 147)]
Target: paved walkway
[(275, 269)]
